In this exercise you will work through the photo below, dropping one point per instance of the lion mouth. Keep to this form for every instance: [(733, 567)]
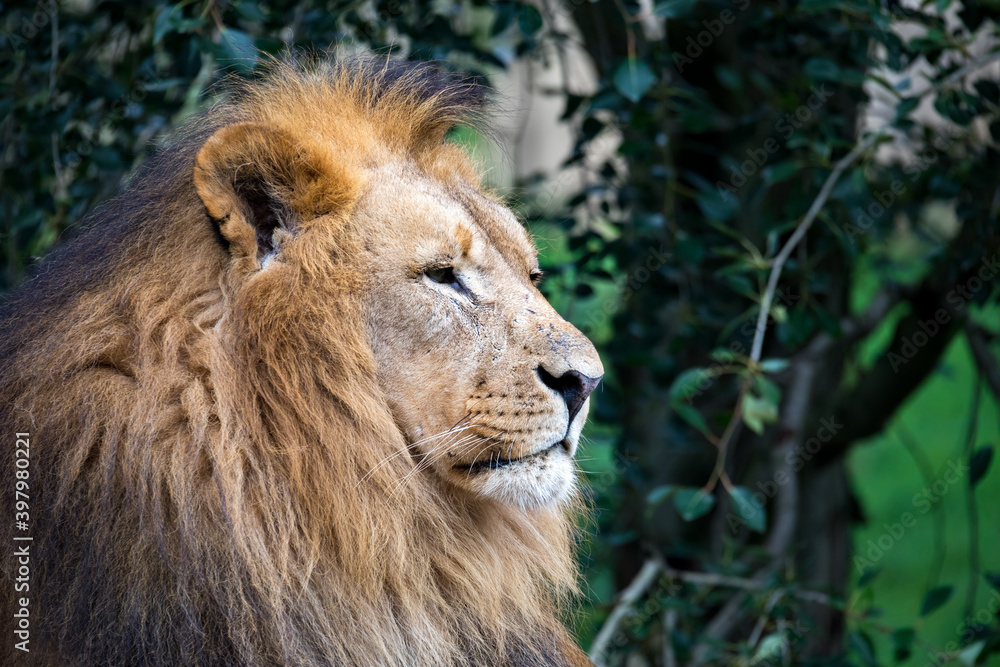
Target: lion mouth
[(496, 463)]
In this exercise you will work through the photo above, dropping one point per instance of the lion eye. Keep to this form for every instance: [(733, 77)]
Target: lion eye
[(444, 275), (536, 276)]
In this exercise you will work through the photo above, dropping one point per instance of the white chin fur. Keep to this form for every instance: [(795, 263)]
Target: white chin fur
[(532, 484)]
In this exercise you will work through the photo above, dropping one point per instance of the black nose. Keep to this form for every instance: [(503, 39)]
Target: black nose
[(574, 387)]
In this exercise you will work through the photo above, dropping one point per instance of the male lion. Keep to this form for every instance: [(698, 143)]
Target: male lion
[(294, 399)]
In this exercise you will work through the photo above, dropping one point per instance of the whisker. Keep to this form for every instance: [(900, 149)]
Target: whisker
[(489, 441), (409, 447), (427, 462)]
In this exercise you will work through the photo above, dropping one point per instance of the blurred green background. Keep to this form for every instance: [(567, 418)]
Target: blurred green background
[(671, 158)]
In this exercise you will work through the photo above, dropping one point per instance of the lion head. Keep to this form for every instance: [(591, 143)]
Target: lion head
[(487, 383), (302, 396)]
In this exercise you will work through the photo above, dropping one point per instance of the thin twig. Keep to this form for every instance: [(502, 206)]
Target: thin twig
[(629, 33), (747, 584), (786, 646), (54, 64), (962, 72), (800, 231), (647, 575), (927, 472), (762, 621), (669, 623), (732, 430), (713, 579), (971, 507), (718, 626)]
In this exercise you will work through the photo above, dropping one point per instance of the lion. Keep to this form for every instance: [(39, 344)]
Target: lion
[(294, 398)]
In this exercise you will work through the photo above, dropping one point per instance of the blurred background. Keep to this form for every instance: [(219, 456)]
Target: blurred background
[(776, 220)]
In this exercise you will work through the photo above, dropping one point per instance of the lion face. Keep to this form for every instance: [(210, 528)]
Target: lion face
[(488, 384)]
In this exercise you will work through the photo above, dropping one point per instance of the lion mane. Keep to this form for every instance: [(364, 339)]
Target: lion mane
[(216, 480)]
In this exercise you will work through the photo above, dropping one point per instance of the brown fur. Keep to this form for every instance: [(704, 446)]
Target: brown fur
[(226, 461)]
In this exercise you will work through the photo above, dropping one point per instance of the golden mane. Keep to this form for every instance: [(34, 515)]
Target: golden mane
[(220, 481)]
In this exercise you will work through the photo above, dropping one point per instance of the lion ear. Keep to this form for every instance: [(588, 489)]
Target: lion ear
[(256, 180)]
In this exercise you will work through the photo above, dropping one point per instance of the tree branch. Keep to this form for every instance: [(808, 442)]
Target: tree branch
[(864, 409), (984, 357), (647, 575)]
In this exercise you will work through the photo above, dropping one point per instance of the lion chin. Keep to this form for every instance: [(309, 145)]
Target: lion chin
[(295, 398), (531, 481)]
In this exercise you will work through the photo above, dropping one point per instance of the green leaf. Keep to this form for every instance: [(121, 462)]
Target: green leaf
[(693, 503), (769, 649), (106, 157), (689, 414), (715, 207), (979, 463), (993, 578), (753, 516), (633, 78), (937, 37), (674, 9), (529, 20), (624, 537), (504, 16), (165, 84), (906, 105), (828, 322), (690, 249), (729, 77), (995, 130), (773, 365), (935, 599), (239, 48), (902, 641), (757, 412), (171, 19), (250, 10), (688, 384), (862, 644), (723, 355), (971, 652), (782, 171), (164, 22), (988, 90), (868, 576), (816, 6), (952, 106), (660, 493), (822, 69)]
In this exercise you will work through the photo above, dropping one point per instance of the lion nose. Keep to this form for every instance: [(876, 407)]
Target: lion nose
[(574, 388)]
